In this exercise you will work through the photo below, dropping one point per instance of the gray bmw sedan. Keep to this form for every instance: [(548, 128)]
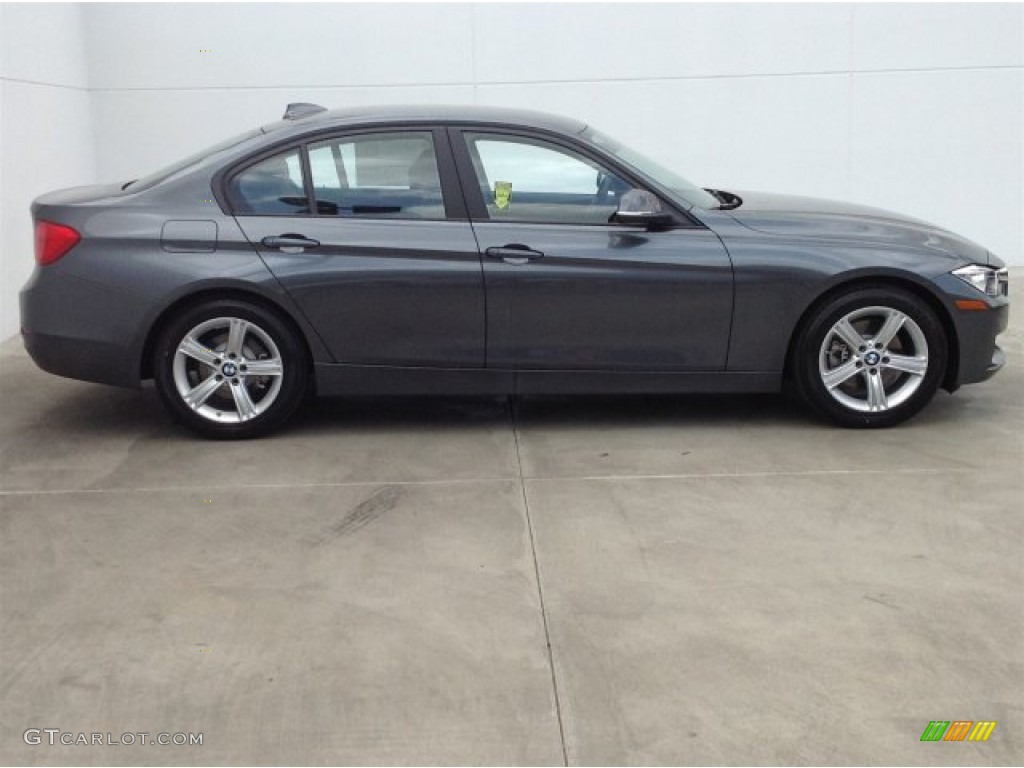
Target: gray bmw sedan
[(462, 250)]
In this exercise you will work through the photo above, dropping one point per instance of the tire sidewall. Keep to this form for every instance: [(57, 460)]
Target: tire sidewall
[(293, 386), (808, 378)]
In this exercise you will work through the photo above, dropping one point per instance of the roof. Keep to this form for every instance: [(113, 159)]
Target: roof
[(429, 113)]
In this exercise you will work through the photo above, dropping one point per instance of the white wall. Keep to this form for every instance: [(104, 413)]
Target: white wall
[(46, 139), (918, 108)]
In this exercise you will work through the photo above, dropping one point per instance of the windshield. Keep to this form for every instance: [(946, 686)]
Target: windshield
[(662, 176), (165, 173)]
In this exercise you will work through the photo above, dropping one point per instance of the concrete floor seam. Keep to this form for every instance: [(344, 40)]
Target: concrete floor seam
[(255, 486), (754, 475), (484, 480), (540, 588)]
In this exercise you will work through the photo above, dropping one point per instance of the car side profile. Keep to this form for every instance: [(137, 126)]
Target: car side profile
[(468, 250)]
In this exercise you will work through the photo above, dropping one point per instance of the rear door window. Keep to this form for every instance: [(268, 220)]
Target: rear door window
[(378, 175)]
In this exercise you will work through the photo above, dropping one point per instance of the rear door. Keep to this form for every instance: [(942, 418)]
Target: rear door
[(567, 289), (368, 233)]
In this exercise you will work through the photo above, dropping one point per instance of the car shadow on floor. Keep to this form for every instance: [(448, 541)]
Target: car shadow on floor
[(100, 410), (556, 411), (747, 410)]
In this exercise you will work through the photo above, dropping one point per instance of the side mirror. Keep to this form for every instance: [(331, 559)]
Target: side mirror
[(639, 207)]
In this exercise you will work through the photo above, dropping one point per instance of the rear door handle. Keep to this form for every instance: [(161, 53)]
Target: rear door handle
[(290, 243), (514, 253)]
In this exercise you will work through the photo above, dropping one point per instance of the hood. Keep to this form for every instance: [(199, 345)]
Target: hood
[(810, 217)]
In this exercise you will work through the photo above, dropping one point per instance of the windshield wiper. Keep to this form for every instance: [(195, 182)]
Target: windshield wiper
[(128, 184)]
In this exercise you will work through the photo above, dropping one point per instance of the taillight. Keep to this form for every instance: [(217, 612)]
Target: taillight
[(53, 241)]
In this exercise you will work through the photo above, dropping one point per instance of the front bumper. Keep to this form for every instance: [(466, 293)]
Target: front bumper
[(998, 361), (980, 357)]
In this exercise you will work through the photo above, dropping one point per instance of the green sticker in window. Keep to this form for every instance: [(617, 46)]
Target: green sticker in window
[(502, 193)]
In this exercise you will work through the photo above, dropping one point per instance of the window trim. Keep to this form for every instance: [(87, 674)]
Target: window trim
[(477, 206), (451, 189)]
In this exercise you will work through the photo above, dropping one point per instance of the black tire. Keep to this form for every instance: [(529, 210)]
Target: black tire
[(813, 360), (265, 339)]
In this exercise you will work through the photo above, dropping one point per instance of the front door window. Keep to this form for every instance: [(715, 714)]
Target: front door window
[(530, 180)]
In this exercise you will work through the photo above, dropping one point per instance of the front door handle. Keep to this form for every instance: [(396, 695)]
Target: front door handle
[(514, 253), (290, 243)]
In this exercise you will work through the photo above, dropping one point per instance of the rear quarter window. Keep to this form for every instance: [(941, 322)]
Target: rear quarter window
[(272, 186)]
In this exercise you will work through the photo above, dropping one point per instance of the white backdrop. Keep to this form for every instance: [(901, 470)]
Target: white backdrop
[(918, 108)]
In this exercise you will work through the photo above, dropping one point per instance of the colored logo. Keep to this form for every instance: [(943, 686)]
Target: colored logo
[(958, 730)]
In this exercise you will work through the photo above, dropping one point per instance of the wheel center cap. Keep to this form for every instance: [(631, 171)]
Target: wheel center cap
[(872, 358), (229, 369)]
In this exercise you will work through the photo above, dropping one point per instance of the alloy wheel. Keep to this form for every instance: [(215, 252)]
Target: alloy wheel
[(873, 359), (228, 370)]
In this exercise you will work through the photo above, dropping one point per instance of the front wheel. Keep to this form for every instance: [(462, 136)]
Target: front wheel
[(872, 357), (229, 369)]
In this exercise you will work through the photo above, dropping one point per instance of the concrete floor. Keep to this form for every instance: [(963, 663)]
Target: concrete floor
[(721, 580)]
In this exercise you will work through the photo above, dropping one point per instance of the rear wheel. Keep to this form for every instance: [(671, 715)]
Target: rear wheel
[(872, 357), (230, 369)]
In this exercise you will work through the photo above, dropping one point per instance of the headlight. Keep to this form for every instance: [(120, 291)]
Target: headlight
[(988, 280)]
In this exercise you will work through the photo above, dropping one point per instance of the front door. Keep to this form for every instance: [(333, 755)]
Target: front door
[(566, 289)]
